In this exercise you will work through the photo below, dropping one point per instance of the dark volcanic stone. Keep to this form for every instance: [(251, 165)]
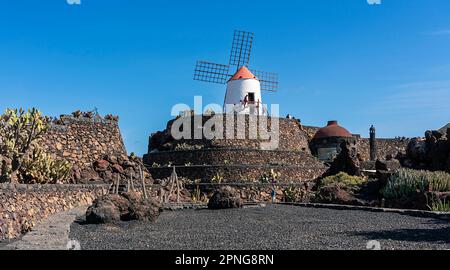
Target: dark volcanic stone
[(418, 201), (346, 161), (141, 209), (124, 207), (225, 198), (335, 194), (431, 153), (385, 169), (102, 211), (101, 165), (89, 174), (117, 168)]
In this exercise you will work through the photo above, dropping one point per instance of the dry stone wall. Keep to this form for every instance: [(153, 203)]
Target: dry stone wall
[(241, 173), (24, 206), (231, 157), (385, 147), (82, 141), (291, 136)]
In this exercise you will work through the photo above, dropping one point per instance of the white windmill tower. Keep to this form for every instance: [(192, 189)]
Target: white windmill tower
[(243, 93)]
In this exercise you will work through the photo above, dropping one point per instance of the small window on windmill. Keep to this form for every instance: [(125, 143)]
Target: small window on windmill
[(251, 98)]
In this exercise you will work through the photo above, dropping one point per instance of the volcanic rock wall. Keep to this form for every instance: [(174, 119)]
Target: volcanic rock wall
[(385, 147), (242, 173), (24, 206), (234, 160), (81, 140), (291, 137), (231, 157)]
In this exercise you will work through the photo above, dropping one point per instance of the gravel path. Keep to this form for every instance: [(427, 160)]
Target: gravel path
[(51, 234), (270, 228)]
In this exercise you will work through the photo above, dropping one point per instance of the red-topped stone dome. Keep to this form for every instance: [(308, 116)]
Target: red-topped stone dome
[(332, 130)]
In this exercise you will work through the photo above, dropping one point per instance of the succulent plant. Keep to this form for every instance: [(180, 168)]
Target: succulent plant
[(406, 182), (41, 168), (19, 130)]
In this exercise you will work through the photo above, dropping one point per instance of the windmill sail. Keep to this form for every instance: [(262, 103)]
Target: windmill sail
[(268, 80), (240, 57), (211, 72), (241, 48)]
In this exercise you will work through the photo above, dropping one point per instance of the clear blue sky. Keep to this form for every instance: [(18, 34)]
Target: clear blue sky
[(387, 65)]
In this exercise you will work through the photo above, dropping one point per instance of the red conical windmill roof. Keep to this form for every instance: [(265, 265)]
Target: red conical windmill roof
[(243, 73)]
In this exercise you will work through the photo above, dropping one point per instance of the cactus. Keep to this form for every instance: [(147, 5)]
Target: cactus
[(270, 177), (407, 182), (19, 130), (41, 168), (217, 178)]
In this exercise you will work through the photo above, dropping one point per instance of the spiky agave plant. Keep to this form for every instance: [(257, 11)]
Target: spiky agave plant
[(406, 182)]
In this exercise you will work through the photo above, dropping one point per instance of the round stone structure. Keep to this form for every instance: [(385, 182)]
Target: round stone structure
[(325, 144), (244, 159)]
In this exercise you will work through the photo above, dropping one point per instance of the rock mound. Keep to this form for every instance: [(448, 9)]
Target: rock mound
[(429, 153), (346, 161), (124, 207), (111, 168), (225, 198)]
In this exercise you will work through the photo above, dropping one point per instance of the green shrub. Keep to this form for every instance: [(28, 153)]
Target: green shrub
[(343, 179), (41, 168), (407, 182), (438, 205)]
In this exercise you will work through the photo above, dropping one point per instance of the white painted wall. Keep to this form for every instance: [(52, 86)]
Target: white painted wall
[(236, 92)]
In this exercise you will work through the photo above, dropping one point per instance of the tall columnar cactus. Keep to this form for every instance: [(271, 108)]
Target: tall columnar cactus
[(19, 129)]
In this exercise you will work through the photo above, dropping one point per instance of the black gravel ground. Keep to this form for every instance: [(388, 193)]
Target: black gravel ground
[(274, 227)]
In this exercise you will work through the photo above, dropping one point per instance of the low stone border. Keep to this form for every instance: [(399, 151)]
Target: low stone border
[(22, 207), (184, 206), (415, 213)]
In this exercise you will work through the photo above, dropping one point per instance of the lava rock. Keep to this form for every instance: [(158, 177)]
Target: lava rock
[(385, 169), (101, 165), (117, 168), (335, 194), (142, 209), (346, 161), (225, 198), (429, 153), (88, 174), (104, 210), (124, 207), (418, 201)]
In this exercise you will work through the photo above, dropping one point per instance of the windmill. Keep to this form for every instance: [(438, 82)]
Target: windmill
[(244, 86)]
